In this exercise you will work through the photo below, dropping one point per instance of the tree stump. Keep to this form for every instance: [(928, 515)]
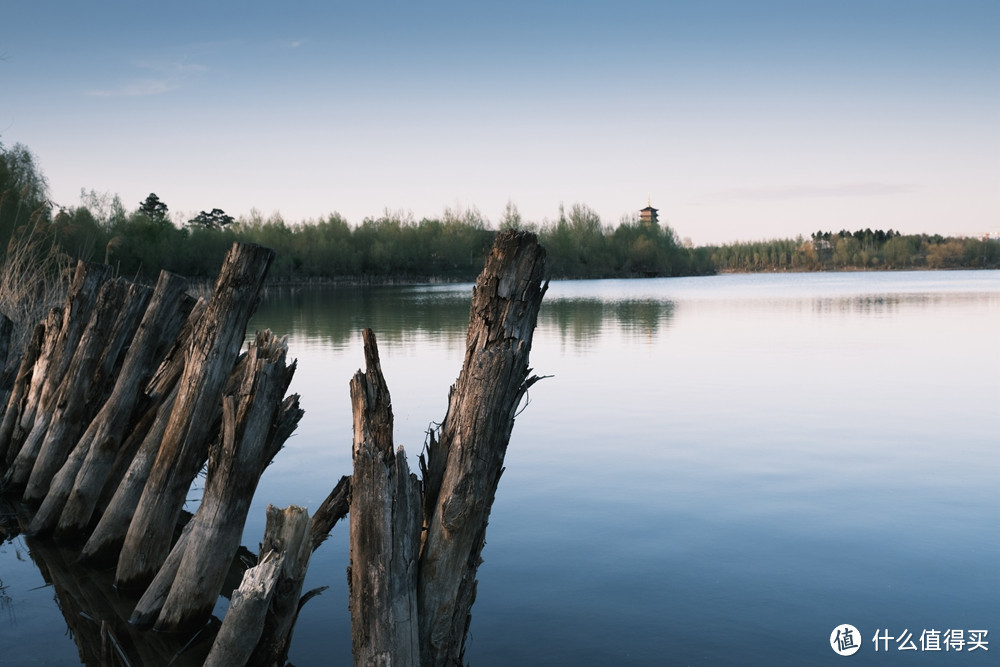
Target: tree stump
[(463, 464), (385, 528)]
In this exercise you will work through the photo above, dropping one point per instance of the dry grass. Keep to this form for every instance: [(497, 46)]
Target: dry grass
[(34, 276)]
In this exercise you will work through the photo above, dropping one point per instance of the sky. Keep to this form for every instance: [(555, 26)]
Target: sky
[(739, 120)]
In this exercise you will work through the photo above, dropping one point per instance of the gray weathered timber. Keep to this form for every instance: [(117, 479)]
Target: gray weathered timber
[(115, 503), (89, 378), (86, 469), (385, 523), (18, 396), (216, 345), (334, 508), (24, 400), (463, 464), (287, 532), (63, 329), (244, 621), (256, 422), (104, 543)]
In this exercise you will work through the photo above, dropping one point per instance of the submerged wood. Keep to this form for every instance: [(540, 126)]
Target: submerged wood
[(217, 341), (463, 463), (287, 532), (385, 528), (244, 622), (96, 614)]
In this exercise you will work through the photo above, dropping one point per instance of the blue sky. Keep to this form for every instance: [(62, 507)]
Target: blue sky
[(739, 120)]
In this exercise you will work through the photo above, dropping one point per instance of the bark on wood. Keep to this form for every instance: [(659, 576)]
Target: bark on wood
[(287, 532), (244, 621), (463, 465), (385, 528), (216, 344), (331, 510), (18, 396), (256, 422), (88, 379)]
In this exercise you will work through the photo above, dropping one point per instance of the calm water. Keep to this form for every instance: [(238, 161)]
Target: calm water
[(719, 471)]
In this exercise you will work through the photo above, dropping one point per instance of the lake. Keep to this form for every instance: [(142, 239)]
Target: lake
[(720, 470)]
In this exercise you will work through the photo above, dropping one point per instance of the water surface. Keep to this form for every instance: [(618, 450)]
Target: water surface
[(718, 471)]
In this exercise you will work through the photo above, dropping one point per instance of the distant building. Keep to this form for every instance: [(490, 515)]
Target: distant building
[(647, 216)]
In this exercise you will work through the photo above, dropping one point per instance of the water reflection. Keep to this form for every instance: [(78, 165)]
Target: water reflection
[(334, 315)]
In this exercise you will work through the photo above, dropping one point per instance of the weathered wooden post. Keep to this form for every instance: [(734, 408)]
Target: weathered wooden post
[(463, 464), (82, 476), (257, 628), (288, 532), (217, 341), (385, 528), (63, 329), (256, 422), (461, 471), (18, 396), (115, 504), (88, 380)]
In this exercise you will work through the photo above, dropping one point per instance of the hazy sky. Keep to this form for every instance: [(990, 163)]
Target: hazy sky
[(738, 119)]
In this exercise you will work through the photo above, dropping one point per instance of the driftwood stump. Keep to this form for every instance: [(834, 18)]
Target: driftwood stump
[(461, 471), (385, 528)]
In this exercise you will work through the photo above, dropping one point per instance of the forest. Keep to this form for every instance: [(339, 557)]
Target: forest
[(140, 239)]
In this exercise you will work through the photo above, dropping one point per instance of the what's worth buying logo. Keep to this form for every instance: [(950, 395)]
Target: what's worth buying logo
[(845, 639)]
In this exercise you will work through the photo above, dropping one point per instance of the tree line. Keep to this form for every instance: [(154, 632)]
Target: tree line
[(140, 240), (859, 250)]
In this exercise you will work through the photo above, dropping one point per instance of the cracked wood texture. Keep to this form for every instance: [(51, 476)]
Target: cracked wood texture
[(384, 528), (256, 422), (209, 360), (463, 463)]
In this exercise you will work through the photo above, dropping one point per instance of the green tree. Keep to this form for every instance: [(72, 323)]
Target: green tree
[(23, 190), (511, 218), (216, 220), (153, 208)]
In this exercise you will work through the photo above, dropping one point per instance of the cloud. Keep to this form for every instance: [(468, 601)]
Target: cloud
[(138, 88), (790, 192), (166, 76)]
